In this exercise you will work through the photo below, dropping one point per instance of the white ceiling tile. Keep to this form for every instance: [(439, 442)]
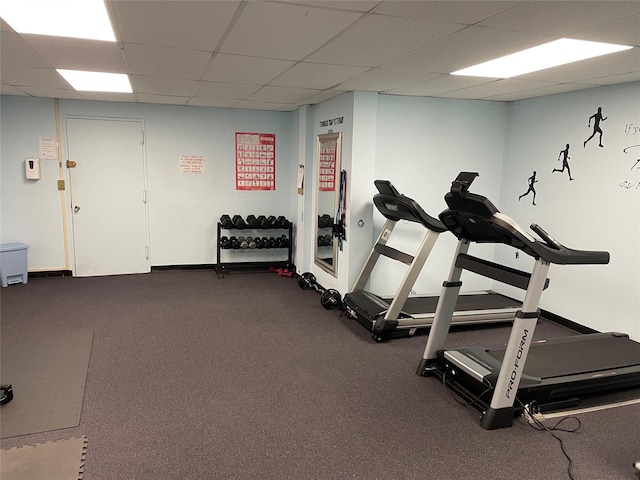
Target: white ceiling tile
[(189, 25), (377, 39), (15, 52), (166, 62), (614, 79), (77, 54), (168, 47), (243, 69), (287, 32), (225, 90), (316, 75), (163, 99), (466, 12), (253, 105), (164, 86), (33, 77), (381, 79), (355, 5), (562, 17), (212, 102), (281, 94), (497, 87), (614, 64), (53, 93), (625, 32), (465, 48), (437, 85), (11, 90), (320, 97), (109, 97), (538, 92)]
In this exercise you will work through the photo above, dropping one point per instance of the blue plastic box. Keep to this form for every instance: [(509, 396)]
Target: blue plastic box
[(13, 263)]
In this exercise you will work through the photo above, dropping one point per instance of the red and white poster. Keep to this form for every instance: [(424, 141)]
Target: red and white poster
[(328, 150), (255, 161)]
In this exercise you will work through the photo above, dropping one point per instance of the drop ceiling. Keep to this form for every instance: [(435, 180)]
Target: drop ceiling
[(278, 55)]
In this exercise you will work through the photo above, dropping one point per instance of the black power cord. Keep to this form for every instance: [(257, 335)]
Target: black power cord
[(538, 425), (534, 422)]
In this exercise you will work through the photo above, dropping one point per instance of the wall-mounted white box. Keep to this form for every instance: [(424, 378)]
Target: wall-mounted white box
[(13, 263), (32, 168)]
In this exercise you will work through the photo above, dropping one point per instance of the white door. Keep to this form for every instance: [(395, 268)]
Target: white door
[(108, 196)]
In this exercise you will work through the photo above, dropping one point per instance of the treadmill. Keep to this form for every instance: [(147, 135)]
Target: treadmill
[(404, 315), (545, 374)]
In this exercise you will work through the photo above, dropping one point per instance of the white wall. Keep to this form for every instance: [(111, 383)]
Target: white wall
[(422, 145), (183, 208), (31, 210), (592, 212)]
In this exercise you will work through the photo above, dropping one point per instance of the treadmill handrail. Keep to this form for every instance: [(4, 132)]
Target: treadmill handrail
[(474, 218), (395, 206)]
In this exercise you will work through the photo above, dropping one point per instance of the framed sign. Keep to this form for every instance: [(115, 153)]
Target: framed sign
[(327, 157), (255, 161)]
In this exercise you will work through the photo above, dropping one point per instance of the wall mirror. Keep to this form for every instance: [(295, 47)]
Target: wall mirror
[(327, 197)]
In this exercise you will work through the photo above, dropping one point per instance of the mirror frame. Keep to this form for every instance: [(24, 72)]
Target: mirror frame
[(327, 144)]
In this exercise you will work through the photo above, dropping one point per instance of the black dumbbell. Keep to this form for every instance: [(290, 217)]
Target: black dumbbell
[(271, 222), (285, 241), (330, 298), (283, 222), (6, 393), (327, 240), (307, 281), (224, 242), (234, 243), (239, 222), (225, 222), (253, 222), (261, 221), (323, 221)]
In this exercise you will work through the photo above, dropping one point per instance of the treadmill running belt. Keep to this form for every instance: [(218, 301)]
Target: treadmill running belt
[(548, 360), (465, 303)]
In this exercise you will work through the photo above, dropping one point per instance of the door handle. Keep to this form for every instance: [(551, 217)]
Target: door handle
[(76, 209)]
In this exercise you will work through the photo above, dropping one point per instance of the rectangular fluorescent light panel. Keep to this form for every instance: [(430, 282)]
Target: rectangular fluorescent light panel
[(552, 54), (86, 19), (97, 81)]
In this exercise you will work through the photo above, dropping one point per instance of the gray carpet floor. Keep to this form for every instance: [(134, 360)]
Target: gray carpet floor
[(248, 377)]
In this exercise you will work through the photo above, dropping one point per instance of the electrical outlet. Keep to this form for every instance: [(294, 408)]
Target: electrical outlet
[(61, 185)]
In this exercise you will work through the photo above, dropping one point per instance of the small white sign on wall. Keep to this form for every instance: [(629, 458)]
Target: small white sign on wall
[(47, 148), (191, 164)]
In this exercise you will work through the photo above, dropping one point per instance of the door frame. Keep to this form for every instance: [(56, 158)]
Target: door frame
[(67, 175)]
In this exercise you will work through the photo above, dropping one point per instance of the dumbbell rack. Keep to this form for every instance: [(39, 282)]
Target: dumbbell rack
[(223, 266)]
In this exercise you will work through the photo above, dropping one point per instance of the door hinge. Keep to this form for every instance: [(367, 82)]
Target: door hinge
[(142, 137), (144, 196), (146, 253)]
